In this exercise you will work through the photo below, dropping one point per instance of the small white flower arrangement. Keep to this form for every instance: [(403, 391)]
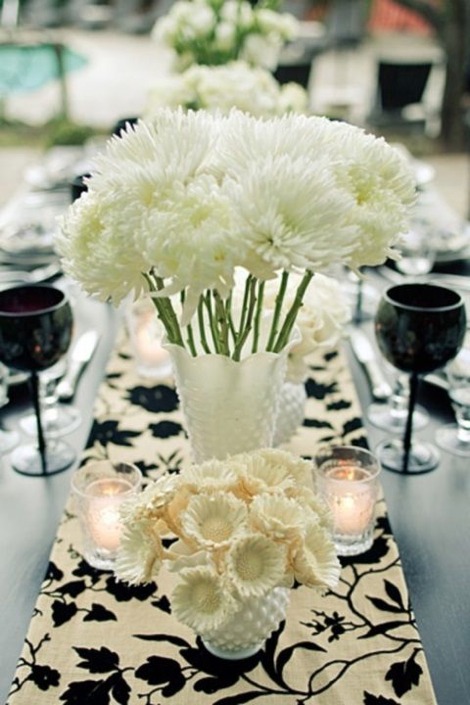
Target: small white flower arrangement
[(325, 311), (180, 205), (253, 90), (231, 529), (214, 32)]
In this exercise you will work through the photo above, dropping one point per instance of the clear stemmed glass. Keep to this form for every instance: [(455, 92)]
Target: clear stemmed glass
[(35, 331), (455, 437), (57, 419), (392, 415), (417, 253), (8, 439), (419, 328)]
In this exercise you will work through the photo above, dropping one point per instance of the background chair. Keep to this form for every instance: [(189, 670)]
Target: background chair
[(408, 93)]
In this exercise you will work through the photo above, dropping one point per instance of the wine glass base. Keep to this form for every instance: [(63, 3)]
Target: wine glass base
[(59, 421), (380, 416), (447, 439), (8, 441), (423, 457), (26, 459)]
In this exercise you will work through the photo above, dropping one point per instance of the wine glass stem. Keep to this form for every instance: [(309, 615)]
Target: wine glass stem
[(37, 411), (409, 420)]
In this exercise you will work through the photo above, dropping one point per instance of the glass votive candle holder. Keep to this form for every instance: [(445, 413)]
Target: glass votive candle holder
[(98, 489), (347, 477), (145, 336)]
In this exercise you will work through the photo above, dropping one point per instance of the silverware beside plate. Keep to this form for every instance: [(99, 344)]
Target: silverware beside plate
[(366, 355), (80, 355)]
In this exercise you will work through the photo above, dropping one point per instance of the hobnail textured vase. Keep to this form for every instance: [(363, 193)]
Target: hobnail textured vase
[(291, 412), (245, 633), (229, 406)]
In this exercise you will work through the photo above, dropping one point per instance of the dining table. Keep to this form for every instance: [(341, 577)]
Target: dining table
[(395, 630)]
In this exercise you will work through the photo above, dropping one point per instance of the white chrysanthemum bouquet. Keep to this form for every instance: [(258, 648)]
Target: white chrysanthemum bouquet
[(231, 530), (179, 206), (253, 90), (214, 32)]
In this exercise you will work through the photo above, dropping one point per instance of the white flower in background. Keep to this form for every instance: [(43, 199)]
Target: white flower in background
[(325, 311), (234, 540), (222, 88), (214, 32), (239, 14), (225, 37), (178, 205), (262, 50)]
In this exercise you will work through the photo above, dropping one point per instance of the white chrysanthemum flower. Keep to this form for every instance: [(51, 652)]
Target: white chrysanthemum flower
[(204, 32), (171, 92), (221, 88), (96, 250), (255, 564), (262, 50), (171, 149), (341, 155), (278, 517), (316, 564), (139, 558), (237, 13), (286, 226), (214, 520), (281, 23), (182, 202), (293, 98), (202, 21), (225, 36), (197, 223), (201, 600)]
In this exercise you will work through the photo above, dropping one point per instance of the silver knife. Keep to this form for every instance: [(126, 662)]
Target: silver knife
[(80, 355), (365, 353)]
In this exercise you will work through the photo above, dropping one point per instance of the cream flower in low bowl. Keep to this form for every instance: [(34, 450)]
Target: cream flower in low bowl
[(229, 544)]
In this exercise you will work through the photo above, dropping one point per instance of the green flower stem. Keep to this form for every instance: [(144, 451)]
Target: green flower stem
[(190, 340), (202, 330), (277, 311), (222, 323), (165, 310), (257, 319), (244, 333), (229, 317), (246, 295), (290, 319), (189, 330), (212, 322)]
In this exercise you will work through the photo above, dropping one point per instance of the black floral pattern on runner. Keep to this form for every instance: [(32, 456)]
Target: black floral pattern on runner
[(96, 641)]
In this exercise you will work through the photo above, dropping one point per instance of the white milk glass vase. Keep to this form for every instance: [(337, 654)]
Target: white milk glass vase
[(291, 412), (245, 633), (229, 406)]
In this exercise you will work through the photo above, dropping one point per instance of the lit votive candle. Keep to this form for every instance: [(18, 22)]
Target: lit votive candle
[(145, 335), (99, 488), (347, 478)]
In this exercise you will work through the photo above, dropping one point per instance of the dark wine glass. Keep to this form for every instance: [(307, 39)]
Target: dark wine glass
[(419, 328), (35, 331)]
